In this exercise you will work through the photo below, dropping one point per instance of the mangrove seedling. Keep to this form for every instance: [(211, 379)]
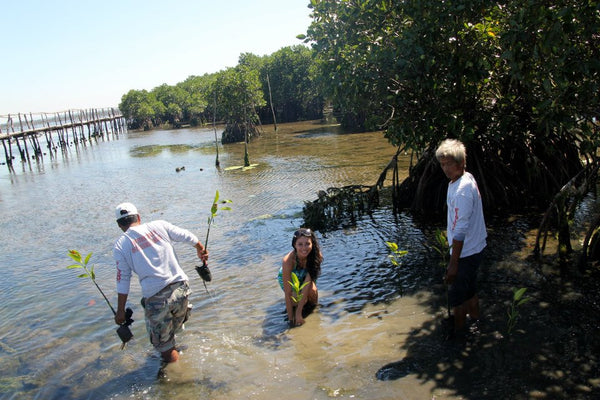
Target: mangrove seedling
[(441, 245), (513, 312), (123, 331), (297, 288), (203, 270), (397, 254), (296, 295)]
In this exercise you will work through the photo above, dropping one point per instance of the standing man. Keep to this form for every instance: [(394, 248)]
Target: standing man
[(466, 233), (147, 250)]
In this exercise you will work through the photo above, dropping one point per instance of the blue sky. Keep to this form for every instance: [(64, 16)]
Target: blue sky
[(59, 55)]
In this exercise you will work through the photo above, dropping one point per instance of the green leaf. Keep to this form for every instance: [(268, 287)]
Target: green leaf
[(87, 258), (392, 246), (519, 293), (295, 280), (74, 266), (74, 254), (86, 275), (523, 301)]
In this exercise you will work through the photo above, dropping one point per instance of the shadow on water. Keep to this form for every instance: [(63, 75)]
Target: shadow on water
[(553, 353), (274, 327), (151, 380), (144, 376), (319, 130)]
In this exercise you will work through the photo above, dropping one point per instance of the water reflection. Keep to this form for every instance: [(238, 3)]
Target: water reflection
[(57, 337)]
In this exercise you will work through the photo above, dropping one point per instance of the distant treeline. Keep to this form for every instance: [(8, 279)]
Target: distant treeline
[(516, 81), (287, 78)]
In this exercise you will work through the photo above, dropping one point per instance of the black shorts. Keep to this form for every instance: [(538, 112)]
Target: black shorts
[(465, 284)]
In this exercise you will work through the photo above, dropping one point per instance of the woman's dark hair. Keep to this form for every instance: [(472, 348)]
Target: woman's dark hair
[(128, 220), (315, 258)]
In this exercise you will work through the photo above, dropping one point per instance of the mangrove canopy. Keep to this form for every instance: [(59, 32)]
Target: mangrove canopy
[(516, 80)]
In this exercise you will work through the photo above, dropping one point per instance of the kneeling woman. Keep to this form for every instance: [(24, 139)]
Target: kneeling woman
[(305, 261)]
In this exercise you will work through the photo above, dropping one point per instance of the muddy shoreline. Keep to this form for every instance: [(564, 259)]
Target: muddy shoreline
[(552, 353)]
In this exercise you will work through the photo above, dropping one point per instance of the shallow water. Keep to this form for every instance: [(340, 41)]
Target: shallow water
[(57, 338)]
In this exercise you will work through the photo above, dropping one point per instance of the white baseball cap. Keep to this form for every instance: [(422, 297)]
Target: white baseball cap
[(125, 210)]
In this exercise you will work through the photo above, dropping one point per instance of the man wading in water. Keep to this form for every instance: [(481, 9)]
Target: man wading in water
[(466, 234), (146, 249)]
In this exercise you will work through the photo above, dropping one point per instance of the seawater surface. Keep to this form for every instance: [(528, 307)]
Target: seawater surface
[(57, 336)]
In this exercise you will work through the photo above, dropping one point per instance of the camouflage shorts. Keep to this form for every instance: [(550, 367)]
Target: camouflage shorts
[(165, 314)]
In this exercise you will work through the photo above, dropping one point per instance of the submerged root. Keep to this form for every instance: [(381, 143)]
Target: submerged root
[(337, 206)]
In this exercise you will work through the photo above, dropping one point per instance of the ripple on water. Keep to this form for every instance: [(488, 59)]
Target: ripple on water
[(238, 343)]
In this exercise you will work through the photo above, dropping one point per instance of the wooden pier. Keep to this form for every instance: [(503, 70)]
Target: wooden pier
[(60, 130)]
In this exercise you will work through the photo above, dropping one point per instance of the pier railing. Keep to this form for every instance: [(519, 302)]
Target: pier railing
[(60, 130)]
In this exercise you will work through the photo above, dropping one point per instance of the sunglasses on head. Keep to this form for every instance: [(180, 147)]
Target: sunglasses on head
[(303, 232)]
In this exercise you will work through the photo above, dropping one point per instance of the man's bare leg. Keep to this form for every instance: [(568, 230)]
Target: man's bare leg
[(170, 356), (460, 315), (473, 307)]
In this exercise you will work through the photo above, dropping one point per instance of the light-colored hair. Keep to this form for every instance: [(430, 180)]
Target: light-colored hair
[(452, 148)]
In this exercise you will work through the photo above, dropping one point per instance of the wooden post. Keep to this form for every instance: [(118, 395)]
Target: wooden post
[(8, 163), (271, 102), (67, 125), (24, 155), (6, 156), (48, 134), (26, 122), (113, 121), (9, 121), (73, 130), (61, 139), (105, 118), (33, 137)]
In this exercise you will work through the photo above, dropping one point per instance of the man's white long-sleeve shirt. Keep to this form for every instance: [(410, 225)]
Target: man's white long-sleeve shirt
[(147, 250), (465, 215)]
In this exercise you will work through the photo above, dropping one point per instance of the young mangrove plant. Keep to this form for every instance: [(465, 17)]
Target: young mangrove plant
[(513, 312), (203, 270), (296, 295), (395, 257), (123, 331), (397, 254), (441, 246), (297, 288)]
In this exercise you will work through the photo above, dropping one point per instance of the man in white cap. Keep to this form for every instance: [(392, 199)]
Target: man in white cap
[(147, 250)]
